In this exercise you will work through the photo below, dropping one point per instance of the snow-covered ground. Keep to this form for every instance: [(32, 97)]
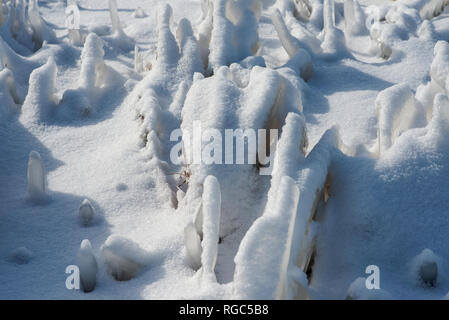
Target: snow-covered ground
[(358, 90)]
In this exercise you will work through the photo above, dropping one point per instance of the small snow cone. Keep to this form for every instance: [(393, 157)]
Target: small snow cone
[(425, 267), (37, 184), (86, 213), (87, 265)]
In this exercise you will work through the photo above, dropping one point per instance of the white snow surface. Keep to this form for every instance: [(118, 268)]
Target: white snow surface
[(359, 91)]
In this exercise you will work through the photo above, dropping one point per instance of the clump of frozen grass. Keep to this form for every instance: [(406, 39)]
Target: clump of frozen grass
[(37, 180), (20, 255), (358, 291), (425, 268), (88, 266), (86, 213), (124, 258)]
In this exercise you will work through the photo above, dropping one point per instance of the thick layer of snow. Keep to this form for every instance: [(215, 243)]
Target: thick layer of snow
[(86, 122)]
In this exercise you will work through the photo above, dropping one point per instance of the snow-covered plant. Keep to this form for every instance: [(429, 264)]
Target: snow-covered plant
[(88, 266), (159, 97), (354, 18), (333, 45), (25, 29), (40, 101), (397, 112), (293, 46), (211, 209), (37, 180), (272, 233), (8, 94), (86, 212), (124, 258), (239, 99), (229, 31), (119, 37), (192, 242), (427, 31), (41, 31), (439, 78)]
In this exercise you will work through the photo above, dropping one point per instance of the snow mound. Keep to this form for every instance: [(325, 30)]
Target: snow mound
[(21, 255), (358, 291), (124, 258)]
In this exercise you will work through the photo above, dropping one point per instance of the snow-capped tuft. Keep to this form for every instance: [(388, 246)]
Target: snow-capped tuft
[(37, 180), (86, 213), (124, 258), (88, 266), (21, 255)]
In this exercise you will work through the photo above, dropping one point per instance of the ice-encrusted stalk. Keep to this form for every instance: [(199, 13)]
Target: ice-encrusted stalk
[(265, 249), (192, 242), (211, 208), (87, 265), (287, 40), (37, 183), (113, 11)]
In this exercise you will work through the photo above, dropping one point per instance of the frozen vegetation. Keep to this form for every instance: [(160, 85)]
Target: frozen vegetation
[(100, 103)]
